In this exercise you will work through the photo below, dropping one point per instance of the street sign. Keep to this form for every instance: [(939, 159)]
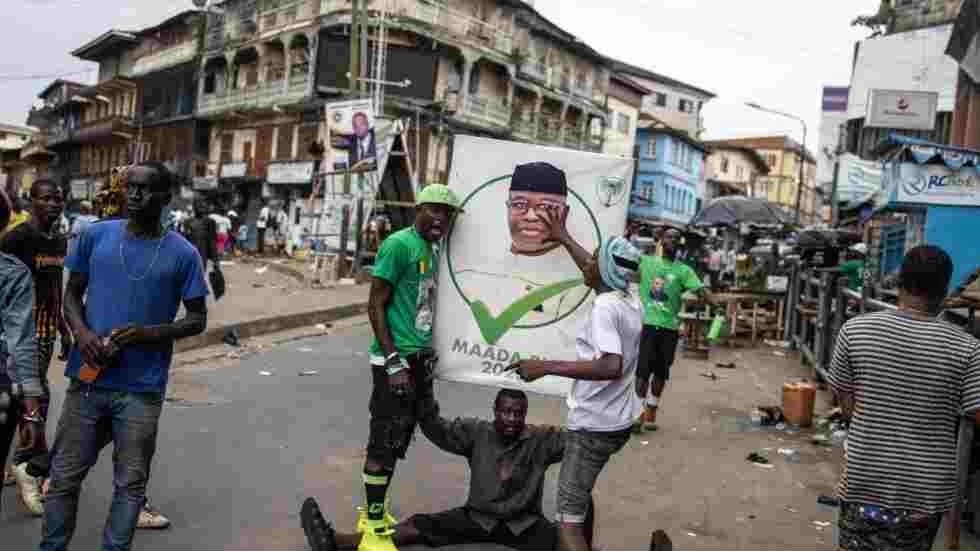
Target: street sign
[(902, 110), (290, 172)]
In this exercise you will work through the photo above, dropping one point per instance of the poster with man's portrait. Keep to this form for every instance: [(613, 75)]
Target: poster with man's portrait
[(506, 290), (352, 135)]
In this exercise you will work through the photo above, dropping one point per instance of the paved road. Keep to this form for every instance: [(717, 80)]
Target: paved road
[(233, 465), (238, 451)]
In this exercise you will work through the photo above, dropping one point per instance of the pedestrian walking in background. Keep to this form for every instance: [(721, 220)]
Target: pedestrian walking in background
[(904, 378), (663, 282), (261, 225), (81, 222), (18, 363), (281, 230), (40, 245), (242, 239), (128, 279), (715, 263), (603, 401), (235, 223), (222, 226)]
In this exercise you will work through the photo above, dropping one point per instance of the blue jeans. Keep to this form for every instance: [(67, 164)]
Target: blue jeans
[(90, 418)]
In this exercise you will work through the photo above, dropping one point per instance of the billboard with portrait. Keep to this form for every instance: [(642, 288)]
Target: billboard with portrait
[(352, 135), (505, 292)]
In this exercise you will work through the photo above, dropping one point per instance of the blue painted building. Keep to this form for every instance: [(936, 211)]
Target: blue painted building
[(669, 182)]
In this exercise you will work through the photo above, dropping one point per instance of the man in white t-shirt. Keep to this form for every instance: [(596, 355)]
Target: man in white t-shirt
[(603, 401), (260, 225)]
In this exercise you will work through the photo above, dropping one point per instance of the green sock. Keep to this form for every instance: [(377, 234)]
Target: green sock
[(376, 489)]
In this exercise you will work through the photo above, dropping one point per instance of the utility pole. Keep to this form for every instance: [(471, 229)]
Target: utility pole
[(353, 90), (799, 187), (838, 151)]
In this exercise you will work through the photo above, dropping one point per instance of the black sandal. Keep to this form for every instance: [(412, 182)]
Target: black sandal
[(319, 532)]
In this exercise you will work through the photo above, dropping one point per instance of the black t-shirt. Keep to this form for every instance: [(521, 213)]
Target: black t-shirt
[(44, 255), (202, 233)]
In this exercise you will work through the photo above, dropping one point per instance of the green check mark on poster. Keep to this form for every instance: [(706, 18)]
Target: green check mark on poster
[(492, 328)]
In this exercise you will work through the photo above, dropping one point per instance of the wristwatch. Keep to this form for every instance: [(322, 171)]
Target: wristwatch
[(396, 368)]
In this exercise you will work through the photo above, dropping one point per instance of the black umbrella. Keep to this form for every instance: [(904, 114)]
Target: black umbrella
[(737, 209)]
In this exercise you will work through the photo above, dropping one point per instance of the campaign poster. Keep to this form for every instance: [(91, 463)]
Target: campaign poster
[(504, 291), (352, 135)]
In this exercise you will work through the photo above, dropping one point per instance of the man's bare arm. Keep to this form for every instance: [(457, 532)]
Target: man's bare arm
[(607, 368), (377, 304), (74, 305), (193, 323)]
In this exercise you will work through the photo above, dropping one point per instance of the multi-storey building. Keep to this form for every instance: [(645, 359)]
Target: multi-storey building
[(624, 103), (16, 143), (486, 67), (143, 104), (783, 156), (674, 103), (732, 169), (669, 185), (964, 48), (907, 15), (57, 114)]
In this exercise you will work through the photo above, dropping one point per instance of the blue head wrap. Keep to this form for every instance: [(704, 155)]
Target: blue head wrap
[(618, 261)]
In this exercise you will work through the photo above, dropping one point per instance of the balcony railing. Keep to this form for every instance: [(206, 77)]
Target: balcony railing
[(549, 131), (525, 127), (104, 129), (285, 15), (487, 110), (58, 135), (583, 89), (263, 95), (168, 57), (536, 69), (573, 137), (458, 24)]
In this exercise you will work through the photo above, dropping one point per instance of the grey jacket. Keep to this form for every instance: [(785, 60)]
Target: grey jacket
[(17, 325)]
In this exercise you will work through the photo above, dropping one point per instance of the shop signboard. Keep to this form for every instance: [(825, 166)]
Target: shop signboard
[(935, 184)]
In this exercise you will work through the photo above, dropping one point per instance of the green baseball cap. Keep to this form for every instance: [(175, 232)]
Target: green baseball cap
[(438, 194)]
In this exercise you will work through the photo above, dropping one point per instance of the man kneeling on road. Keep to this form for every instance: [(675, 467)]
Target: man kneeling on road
[(508, 461)]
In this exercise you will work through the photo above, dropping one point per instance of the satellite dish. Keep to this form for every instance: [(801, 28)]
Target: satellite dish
[(199, 4)]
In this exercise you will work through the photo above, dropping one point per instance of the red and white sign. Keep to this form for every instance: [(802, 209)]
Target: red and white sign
[(901, 110)]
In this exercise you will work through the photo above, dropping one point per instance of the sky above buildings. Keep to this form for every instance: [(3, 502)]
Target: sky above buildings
[(778, 53)]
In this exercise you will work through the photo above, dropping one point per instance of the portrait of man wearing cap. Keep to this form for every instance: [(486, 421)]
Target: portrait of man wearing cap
[(531, 262), (535, 188)]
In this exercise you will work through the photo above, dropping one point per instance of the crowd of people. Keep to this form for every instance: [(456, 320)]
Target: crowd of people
[(903, 377)]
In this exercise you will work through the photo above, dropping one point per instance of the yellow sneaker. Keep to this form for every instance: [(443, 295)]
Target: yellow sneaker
[(377, 536), (362, 518)]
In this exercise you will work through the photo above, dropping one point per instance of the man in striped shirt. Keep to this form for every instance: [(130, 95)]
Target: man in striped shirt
[(904, 378)]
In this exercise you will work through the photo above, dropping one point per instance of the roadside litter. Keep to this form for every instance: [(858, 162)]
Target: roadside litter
[(262, 270), (776, 344), (792, 455), (766, 416), (309, 373), (710, 375), (729, 365), (830, 501), (831, 430), (756, 457)]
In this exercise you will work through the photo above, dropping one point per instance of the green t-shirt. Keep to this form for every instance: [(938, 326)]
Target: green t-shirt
[(662, 283), (854, 270), (409, 263)]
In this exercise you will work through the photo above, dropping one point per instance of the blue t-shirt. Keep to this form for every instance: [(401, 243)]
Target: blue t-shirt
[(119, 295)]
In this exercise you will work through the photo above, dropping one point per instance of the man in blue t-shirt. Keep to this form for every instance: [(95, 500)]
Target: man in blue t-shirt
[(133, 276)]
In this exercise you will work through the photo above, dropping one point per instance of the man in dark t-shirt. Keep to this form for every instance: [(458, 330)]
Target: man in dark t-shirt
[(40, 246)]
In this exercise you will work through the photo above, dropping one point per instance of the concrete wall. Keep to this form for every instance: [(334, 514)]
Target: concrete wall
[(741, 168), (616, 142), (913, 60)]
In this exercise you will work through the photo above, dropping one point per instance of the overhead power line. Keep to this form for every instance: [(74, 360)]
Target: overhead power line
[(39, 77)]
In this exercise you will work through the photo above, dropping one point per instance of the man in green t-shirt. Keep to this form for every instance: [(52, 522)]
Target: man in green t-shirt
[(853, 267), (663, 282), (401, 308)]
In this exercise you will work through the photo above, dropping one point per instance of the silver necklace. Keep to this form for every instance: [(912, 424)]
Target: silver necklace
[(156, 255)]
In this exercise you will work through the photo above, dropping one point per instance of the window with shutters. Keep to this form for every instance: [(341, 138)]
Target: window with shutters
[(227, 143), (284, 142), (263, 149), (307, 135)]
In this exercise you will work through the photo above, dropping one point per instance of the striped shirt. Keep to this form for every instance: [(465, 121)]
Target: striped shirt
[(911, 380)]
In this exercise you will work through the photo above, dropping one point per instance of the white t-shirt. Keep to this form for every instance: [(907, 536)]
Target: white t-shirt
[(222, 222), (613, 326), (263, 218)]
